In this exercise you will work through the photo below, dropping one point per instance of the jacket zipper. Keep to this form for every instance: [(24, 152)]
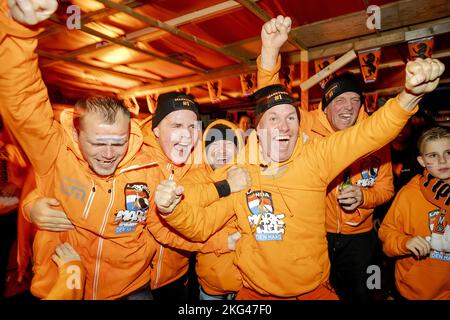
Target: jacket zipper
[(90, 199), (158, 266), (100, 242)]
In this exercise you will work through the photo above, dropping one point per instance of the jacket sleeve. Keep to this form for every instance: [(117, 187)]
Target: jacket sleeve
[(201, 193), (342, 148), (383, 190), (199, 223), (268, 77), (393, 232), (166, 235), (24, 102), (70, 282), (29, 198)]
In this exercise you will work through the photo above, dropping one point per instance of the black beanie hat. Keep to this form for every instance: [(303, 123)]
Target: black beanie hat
[(173, 101), (346, 82), (271, 96), (220, 132)]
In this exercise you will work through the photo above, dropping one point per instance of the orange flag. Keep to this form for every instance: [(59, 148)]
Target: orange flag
[(320, 64), (287, 77), (248, 83), (215, 90), (369, 60), (370, 103), (421, 48)]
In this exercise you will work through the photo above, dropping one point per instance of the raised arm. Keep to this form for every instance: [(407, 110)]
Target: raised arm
[(24, 103), (344, 147)]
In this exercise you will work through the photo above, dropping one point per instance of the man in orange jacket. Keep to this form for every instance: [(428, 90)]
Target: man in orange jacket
[(353, 195), (173, 134), (283, 250), (217, 274), (91, 162)]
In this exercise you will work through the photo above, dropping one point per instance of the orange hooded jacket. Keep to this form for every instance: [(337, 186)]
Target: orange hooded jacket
[(110, 234), (372, 173), (217, 274), (412, 215), (171, 260), (283, 250)]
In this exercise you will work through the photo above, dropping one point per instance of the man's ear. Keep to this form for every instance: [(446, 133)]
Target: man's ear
[(156, 132), (421, 161)]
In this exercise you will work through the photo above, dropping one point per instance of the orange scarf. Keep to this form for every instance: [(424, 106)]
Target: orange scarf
[(435, 190)]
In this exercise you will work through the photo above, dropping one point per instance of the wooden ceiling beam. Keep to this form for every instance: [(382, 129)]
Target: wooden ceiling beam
[(264, 16), (96, 68), (151, 33), (386, 38), (89, 17), (173, 30)]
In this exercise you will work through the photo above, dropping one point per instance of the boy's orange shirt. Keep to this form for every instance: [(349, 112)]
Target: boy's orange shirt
[(412, 215)]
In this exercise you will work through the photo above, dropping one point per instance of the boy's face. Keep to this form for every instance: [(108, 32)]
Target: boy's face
[(435, 156)]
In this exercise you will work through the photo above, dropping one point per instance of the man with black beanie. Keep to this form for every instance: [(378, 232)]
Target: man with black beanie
[(352, 195)]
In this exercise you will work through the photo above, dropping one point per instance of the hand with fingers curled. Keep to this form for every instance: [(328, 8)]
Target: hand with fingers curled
[(44, 214), (351, 198), (167, 196), (422, 76), (238, 179), (418, 246), (31, 12), (275, 32), (65, 253)]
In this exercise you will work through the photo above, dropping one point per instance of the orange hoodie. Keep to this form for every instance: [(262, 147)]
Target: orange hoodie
[(110, 234), (216, 272), (412, 215), (283, 250), (373, 173)]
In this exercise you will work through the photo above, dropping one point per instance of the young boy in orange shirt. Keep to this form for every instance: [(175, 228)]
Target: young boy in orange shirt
[(416, 228)]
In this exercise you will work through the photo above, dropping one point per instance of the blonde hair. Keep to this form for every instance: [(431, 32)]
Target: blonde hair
[(432, 134), (107, 107)]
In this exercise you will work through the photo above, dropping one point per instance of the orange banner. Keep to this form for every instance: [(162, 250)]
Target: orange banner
[(248, 83), (320, 64), (287, 77), (215, 90), (369, 60), (421, 48), (370, 103)]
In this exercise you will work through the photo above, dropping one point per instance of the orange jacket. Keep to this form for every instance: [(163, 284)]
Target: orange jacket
[(171, 260), (412, 215), (216, 272), (110, 235), (373, 173), (283, 250)]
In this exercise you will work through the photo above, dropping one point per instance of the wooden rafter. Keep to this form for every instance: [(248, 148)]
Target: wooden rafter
[(173, 30), (88, 17), (96, 68), (264, 16), (149, 33)]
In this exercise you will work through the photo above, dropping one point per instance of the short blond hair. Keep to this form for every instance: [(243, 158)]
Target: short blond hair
[(432, 134)]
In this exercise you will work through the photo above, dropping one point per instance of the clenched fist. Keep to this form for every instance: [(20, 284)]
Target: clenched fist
[(31, 12), (167, 196), (274, 32), (422, 76), (238, 179)]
